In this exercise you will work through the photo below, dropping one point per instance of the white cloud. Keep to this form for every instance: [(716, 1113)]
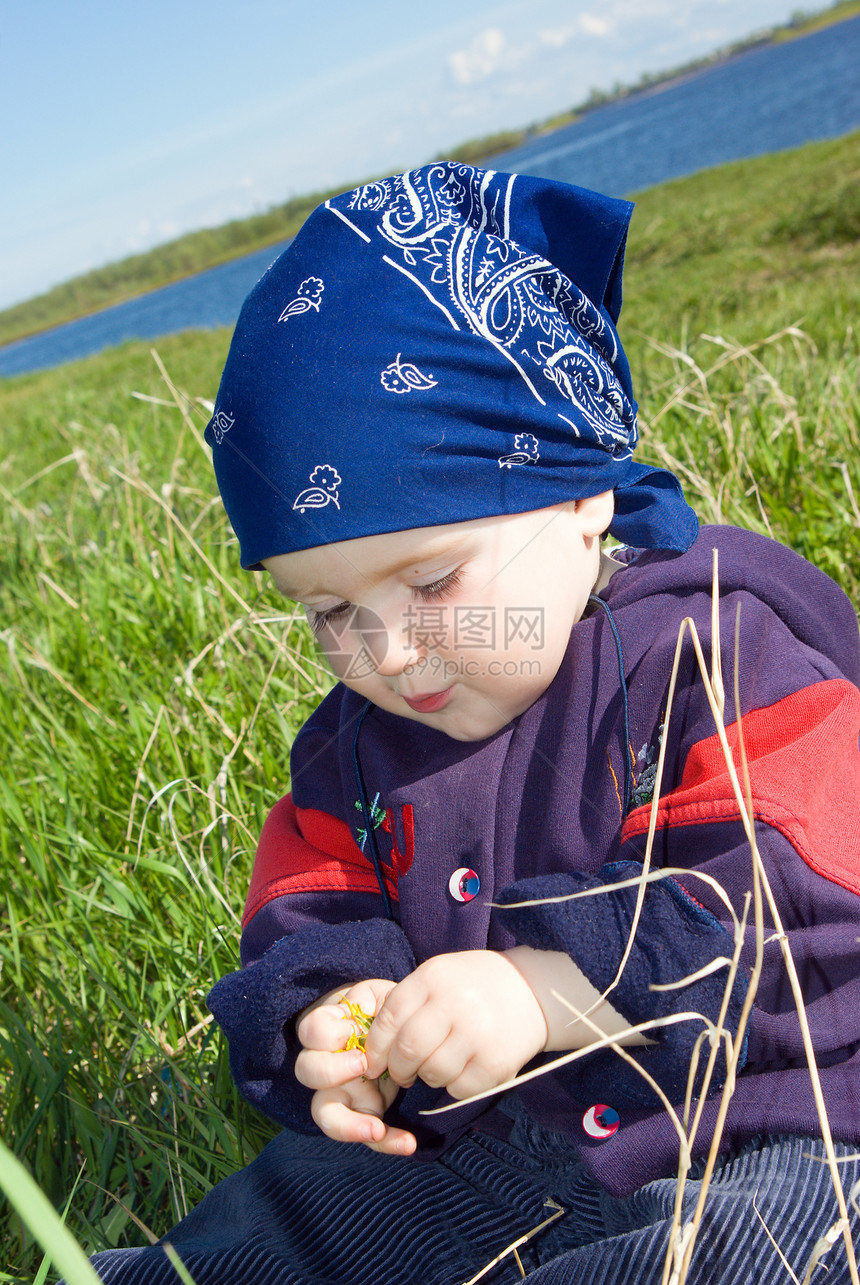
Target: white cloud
[(594, 25), (556, 37), (482, 57), (590, 23)]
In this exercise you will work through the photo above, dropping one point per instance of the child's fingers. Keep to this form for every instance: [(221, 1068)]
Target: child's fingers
[(372, 994), (471, 1009), (418, 1048), (447, 1064), (325, 1070), (397, 1142), (404, 1002), (340, 1122), (347, 1117), (479, 1074), (325, 1028), (328, 1025)]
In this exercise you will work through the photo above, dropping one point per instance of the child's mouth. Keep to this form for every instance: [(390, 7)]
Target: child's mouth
[(429, 704)]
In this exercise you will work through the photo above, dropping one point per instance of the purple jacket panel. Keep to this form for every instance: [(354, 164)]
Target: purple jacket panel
[(541, 801)]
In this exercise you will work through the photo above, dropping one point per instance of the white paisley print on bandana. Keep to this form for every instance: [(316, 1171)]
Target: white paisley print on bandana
[(221, 424), (308, 295), (525, 451), (448, 226), (323, 489), (403, 376)]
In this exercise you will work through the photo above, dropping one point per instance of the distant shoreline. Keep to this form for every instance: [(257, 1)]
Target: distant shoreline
[(196, 252), (486, 147)]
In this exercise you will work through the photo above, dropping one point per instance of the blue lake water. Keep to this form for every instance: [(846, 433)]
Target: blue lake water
[(765, 100)]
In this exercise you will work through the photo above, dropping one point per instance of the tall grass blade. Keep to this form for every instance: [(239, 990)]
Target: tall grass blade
[(38, 1213)]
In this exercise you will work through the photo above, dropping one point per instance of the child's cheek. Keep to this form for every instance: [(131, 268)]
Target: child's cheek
[(357, 647), (336, 662), (346, 654)]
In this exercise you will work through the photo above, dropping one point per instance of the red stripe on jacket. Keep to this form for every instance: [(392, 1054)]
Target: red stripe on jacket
[(306, 850), (804, 765)]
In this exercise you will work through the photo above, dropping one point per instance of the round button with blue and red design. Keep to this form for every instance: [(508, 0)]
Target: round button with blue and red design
[(464, 884), (601, 1121)]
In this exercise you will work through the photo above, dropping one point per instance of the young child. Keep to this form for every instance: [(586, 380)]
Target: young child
[(424, 428)]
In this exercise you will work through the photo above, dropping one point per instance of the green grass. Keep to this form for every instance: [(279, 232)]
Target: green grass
[(739, 254), (752, 246), (128, 662), (806, 22), (149, 690), (196, 251)]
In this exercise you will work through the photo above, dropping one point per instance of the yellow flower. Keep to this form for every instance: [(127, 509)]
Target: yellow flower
[(361, 1025)]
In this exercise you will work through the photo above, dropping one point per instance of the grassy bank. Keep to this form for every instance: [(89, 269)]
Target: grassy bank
[(805, 23), (196, 251), (149, 691)]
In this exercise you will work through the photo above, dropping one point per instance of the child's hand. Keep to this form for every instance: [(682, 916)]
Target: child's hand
[(347, 1106), (465, 1021)]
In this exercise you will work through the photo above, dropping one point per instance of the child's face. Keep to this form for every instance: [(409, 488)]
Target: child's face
[(459, 627)]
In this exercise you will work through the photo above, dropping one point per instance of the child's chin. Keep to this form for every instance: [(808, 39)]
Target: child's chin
[(463, 725)]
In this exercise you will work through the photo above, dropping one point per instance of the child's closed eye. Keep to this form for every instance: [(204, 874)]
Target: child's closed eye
[(439, 588), (425, 592)]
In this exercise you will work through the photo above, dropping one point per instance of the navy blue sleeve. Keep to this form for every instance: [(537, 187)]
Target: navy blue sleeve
[(675, 937), (256, 1006)]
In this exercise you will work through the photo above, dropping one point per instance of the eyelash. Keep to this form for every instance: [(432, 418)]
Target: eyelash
[(439, 588), (426, 592), (323, 618)]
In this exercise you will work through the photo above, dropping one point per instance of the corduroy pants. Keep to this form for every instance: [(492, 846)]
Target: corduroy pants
[(309, 1211)]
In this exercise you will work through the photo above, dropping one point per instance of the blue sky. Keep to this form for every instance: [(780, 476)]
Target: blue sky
[(126, 124)]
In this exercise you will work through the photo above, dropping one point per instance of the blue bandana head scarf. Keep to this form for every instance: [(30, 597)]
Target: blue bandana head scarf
[(433, 348)]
